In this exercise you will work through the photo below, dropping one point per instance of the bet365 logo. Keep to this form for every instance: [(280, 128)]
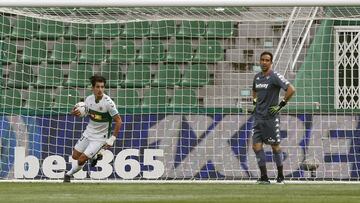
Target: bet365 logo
[(124, 165)]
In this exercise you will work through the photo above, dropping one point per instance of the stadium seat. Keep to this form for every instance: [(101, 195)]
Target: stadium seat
[(136, 29), (122, 51), (113, 75), (219, 29), (106, 31), (93, 52), (39, 99), (20, 76), (67, 98), (181, 51), (65, 52), (5, 27), (50, 30), (34, 52), (183, 97), (163, 28), (78, 31), (137, 75), (155, 97), (127, 98), (191, 29), (168, 75), (25, 28), (49, 76), (196, 75), (10, 98), (209, 51), (8, 52), (79, 75), (152, 51)]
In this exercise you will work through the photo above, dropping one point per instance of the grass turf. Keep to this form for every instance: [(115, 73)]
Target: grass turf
[(83, 192)]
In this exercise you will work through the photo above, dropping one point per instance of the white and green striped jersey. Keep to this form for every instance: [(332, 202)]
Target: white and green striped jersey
[(101, 114)]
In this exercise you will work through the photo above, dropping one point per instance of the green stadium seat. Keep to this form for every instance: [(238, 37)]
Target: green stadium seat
[(20, 76), (137, 75), (122, 51), (181, 51), (39, 99), (220, 29), (155, 97), (25, 28), (79, 75), (5, 27), (196, 75), (168, 75), (183, 97), (10, 98), (34, 52), (152, 51), (63, 53), (163, 28), (67, 98), (113, 75), (49, 76), (78, 31), (136, 29), (106, 31), (93, 52), (191, 29), (126, 98), (209, 51), (8, 52), (50, 30)]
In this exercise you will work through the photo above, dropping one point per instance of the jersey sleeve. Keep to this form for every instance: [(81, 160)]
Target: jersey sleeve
[(112, 108), (281, 81)]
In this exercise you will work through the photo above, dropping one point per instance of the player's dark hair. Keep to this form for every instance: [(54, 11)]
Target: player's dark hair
[(267, 53), (97, 78)]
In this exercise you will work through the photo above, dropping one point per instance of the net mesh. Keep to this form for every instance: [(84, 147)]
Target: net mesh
[(181, 78)]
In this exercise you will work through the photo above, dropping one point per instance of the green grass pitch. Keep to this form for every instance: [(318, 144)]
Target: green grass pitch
[(187, 192)]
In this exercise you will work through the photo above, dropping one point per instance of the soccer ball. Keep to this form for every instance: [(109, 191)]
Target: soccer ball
[(81, 106)]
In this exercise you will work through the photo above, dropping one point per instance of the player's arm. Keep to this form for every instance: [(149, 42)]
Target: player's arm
[(111, 140), (289, 93)]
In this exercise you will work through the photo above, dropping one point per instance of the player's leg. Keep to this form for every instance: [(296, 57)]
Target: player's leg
[(277, 156), (91, 152), (273, 138), (79, 148), (259, 152)]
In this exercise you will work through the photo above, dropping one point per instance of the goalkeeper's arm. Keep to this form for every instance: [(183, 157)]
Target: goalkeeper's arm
[(288, 94), (111, 140)]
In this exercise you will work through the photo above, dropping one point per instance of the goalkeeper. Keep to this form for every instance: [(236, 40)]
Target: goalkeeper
[(101, 110), (266, 88)]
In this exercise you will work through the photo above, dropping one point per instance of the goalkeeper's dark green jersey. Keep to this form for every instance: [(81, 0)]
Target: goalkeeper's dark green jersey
[(267, 90)]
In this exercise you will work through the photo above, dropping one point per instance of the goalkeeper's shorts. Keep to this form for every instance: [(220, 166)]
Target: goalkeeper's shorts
[(266, 131)]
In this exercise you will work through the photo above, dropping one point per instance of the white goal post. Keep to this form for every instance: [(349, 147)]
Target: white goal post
[(180, 73)]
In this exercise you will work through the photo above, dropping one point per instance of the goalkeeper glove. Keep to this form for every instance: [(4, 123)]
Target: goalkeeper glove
[(110, 141), (254, 103), (275, 109)]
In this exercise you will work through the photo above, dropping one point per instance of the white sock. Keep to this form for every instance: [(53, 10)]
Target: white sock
[(74, 168)]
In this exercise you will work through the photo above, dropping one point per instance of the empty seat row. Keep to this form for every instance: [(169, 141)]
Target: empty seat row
[(122, 51), (27, 27), (137, 75), (66, 98)]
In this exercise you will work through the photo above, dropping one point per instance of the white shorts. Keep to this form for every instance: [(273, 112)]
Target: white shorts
[(89, 147)]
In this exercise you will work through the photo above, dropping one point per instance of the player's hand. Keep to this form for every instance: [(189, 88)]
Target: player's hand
[(110, 142), (254, 103), (75, 112), (274, 110)]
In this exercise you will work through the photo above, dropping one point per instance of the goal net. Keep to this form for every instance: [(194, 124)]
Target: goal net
[(181, 78)]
